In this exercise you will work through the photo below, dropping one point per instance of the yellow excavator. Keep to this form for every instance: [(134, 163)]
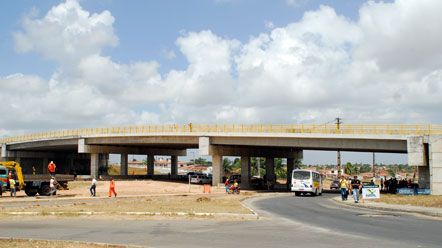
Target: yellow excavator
[(31, 184), (15, 170)]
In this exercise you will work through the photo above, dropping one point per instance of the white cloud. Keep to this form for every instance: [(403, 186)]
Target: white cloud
[(384, 67), (66, 33)]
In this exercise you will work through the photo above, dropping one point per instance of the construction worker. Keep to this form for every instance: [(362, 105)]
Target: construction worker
[(12, 186), (51, 168), (112, 188)]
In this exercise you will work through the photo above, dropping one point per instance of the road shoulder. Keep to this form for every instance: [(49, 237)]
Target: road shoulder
[(427, 211)]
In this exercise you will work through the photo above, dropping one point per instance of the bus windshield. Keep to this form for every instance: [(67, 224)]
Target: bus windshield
[(301, 175)]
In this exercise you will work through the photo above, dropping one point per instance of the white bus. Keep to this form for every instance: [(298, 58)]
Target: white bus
[(306, 181)]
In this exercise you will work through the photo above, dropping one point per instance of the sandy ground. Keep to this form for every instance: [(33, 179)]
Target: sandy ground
[(25, 243), (128, 188)]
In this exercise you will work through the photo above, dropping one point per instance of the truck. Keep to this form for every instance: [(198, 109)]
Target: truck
[(31, 184)]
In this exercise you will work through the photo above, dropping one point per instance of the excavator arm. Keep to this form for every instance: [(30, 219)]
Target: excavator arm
[(12, 165)]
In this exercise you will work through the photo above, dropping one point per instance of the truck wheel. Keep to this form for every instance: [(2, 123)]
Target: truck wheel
[(297, 193), (45, 190), (30, 191)]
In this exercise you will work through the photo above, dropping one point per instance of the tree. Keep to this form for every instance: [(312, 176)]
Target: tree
[(227, 165)]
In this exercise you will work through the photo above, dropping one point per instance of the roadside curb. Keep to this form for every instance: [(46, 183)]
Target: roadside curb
[(91, 213), (433, 212)]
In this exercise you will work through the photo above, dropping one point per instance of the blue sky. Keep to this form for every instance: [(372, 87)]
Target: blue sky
[(89, 63), (147, 29)]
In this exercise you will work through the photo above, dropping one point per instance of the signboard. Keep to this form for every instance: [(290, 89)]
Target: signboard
[(405, 191), (371, 192)]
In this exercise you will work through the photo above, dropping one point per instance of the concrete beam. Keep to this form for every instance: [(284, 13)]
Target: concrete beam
[(47, 145), (183, 141), (278, 152), (308, 143), (29, 154), (130, 150)]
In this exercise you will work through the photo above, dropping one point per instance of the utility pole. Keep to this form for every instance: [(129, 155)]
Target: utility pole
[(338, 159)]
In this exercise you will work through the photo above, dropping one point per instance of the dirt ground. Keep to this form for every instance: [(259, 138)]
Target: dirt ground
[(128, 188), (143, 197), (25, 243)]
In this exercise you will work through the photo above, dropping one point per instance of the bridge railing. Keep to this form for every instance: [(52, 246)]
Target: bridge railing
[(378, 129)]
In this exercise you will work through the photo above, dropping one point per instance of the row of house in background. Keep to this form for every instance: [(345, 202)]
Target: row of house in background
[(163, 165)]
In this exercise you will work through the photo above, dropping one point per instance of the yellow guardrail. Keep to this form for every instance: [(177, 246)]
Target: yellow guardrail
[(377, 129)]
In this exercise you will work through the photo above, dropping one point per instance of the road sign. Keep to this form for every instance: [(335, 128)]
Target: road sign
[(371, 193)]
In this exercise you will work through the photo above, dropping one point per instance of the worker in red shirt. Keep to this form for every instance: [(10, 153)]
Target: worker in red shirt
[(112, 188), (51, 168)]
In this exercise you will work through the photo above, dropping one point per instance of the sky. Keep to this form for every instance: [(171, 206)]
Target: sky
[(98, 63)]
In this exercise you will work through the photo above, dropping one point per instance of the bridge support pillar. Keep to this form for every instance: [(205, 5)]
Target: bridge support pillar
[(245, 172), (293, 163), (173, 165), (123, 164), (290, 167), (270, 170), (45, 166), (150, 165), (217, 165), (95, 161), (435, 157)]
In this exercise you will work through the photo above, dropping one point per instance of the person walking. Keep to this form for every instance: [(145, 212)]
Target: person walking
[(355, 186), (52, 186), (112, 188), (343, 184), (93, 187), (51, 168), (12, 187)]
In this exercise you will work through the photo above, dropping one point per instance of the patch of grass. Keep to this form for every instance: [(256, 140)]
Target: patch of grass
[(418, 200)]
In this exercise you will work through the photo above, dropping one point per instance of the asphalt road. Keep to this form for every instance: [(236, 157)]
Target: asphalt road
[(287, 221)]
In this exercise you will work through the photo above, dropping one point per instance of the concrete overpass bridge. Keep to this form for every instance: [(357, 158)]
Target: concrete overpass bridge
[(87, 149)]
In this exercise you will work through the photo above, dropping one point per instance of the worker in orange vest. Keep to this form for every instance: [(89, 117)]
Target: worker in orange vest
[(51, 168), (112, 188)]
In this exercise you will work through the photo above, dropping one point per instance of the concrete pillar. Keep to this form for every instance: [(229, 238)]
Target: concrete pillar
[(95, 160), (123, 164), (423, 177), (173, 165), (270, 169), (435, 150), (290, 167), (217, 169), (150, 165), (293, 163), (245, 172), (45, 165), (3, 152)]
